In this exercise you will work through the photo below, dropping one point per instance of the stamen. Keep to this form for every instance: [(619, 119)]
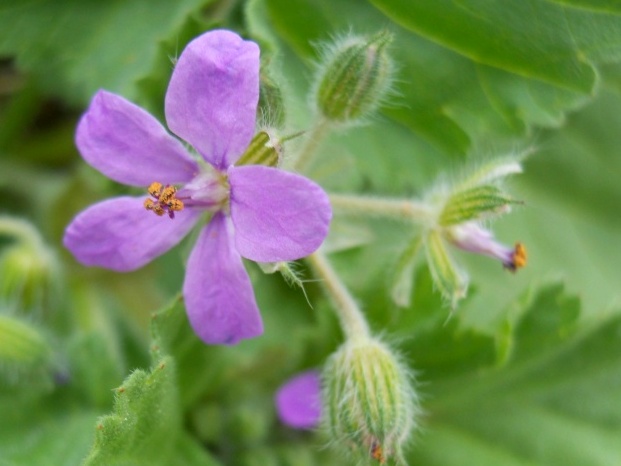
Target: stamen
[(519, 256), (164, 200), (517, 259), (377, 453), (155, 189)]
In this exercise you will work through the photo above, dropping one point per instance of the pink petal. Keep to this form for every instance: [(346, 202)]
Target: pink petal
[(218, 294), (120, 234), (213, 94), (127, 144), (278, 216), (298, 401)]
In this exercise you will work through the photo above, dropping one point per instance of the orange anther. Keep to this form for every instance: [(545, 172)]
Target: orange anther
[(155, 189), (519, 256), (164, 200), (377, 453)]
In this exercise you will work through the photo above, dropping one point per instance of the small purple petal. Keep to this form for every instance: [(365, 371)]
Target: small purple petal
[(127, 144), (120, 234), (472, 237), (278, 216), (218, 294), (213, 93), (298, 401)]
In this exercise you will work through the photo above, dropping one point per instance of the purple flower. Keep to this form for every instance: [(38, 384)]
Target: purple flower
[(258, 212), (471, 237), (298, 401)]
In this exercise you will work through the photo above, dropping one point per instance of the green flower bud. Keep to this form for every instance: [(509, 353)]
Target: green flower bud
[(354, 77), (28, 274), (23, 348), (369, 401), (264, 149)]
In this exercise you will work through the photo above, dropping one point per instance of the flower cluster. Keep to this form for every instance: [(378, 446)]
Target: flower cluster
[(258, 212)]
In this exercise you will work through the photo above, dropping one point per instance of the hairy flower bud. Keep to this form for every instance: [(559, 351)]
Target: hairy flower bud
[(354, 77), (29, 271), (369, 401), (24, 350)]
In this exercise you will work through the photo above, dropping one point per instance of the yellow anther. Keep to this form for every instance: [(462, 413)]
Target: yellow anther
[(519, 256), (167, 194), (175, 205), (164, 200), (155, 189)]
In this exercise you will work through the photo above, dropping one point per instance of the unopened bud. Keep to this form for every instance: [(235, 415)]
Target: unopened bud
[(354, 78), (23, 349), (28, 274), (369, 401)]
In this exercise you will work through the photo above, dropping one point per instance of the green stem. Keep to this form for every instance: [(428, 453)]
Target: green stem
[(352, 320), (313, 139), (404, 210)]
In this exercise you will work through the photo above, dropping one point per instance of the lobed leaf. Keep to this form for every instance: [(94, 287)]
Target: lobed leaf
[(145, 423), (553, 401)]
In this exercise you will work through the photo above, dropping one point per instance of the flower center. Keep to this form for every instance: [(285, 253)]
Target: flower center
[(164, 200)]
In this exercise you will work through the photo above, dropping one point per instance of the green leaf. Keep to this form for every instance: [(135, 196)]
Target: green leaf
[(558, 47), (191, 453), (62, 438), (145, 423), (457, 85), (553, 402), (74, 47), (95, 369), (602, 6)]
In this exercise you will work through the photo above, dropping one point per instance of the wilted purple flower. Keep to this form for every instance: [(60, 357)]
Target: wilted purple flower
[(471, 237), (259, 212), (298, 401)]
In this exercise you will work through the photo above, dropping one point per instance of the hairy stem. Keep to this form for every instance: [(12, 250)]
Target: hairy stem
[(352, 320), (397, 209), (313, 140)]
